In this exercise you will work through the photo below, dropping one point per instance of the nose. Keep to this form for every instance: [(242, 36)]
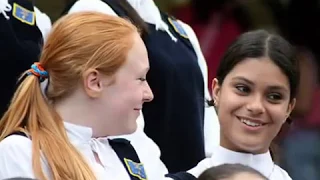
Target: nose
[(256, 106), (147, 94)]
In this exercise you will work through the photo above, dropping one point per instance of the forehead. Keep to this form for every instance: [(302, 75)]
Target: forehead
[(137, 57), (247, 176), (260, 71)]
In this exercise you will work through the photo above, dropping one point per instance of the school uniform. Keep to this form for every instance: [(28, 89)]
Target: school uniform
[(260, 162), (119, 159), (43, 22), (178, 119), (20, 44)]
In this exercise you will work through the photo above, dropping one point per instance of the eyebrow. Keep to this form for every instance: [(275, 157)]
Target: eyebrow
[(243, 79), (280, 88), (273, 87)]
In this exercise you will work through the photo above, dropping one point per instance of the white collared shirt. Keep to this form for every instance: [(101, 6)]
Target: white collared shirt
[(260, 162), (16, 156)]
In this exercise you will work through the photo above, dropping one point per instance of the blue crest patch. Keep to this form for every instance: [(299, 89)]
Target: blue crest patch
[(136, 169), (23, 14), (178, 27)]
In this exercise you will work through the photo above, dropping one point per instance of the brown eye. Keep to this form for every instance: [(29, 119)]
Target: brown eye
[(243, 89), (274, 96)]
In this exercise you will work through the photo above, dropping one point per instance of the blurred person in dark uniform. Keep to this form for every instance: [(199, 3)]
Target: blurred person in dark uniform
[(21, 42)]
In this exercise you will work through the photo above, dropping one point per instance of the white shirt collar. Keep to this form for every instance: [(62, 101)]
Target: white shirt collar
[(81, 137), (150, 13), (78, 133), (261, 162)]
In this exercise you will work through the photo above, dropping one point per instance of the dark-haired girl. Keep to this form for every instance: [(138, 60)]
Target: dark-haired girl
[(254, 93)]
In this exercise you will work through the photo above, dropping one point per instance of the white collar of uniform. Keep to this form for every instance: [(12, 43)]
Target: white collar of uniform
[(78, 133), (261, 162), (150, 13), (81, 137)]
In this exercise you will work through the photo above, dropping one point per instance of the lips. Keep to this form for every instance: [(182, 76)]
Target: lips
[(251, 122)]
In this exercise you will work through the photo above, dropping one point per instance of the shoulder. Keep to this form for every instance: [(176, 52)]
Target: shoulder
[(43, 22), (15, 143), (16, 157), (196, 46), (148, 153), (92, 5), (185, 25), (190, 32), (179, 25), (280, 174), (201, 167), (187, 28), (42, 17)]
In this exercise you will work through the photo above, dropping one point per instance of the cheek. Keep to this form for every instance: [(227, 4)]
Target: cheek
[(118, 96), (278, 114), (132, 93), (228, 104)]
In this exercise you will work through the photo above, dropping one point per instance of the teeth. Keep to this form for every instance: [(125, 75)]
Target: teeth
[(250, 123)]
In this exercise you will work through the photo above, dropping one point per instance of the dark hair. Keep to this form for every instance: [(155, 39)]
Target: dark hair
[(228, 171), (134, 16), (130, 12), (260, 43)]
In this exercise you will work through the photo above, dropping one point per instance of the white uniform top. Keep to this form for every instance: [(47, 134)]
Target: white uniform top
[(150, 13), (16, 156), (43, 22), (261, 162)]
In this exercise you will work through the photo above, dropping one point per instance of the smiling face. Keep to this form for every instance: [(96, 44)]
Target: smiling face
[(130, 90), (252, 104), (118, 100)]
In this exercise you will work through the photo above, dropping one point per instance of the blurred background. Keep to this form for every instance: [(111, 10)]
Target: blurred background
[(218, 22)]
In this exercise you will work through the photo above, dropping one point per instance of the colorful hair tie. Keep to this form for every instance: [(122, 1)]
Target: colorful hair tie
[(37, 70)]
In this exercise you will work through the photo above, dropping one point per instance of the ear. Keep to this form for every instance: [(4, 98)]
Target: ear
[(215, 90), (92, 83), (291, 107)]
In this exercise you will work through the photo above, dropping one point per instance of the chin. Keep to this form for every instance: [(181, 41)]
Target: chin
[(249, 144), (131, 129), (252, 148)]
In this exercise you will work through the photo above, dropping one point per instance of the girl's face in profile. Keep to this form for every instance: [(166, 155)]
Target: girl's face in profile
[(252, 104), (120, 102)]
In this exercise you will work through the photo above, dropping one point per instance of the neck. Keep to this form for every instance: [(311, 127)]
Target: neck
[(78, 110), (241, 148)]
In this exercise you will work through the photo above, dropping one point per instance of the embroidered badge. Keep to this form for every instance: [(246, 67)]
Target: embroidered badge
[(136, 169), (178, 27), (23, 14)]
